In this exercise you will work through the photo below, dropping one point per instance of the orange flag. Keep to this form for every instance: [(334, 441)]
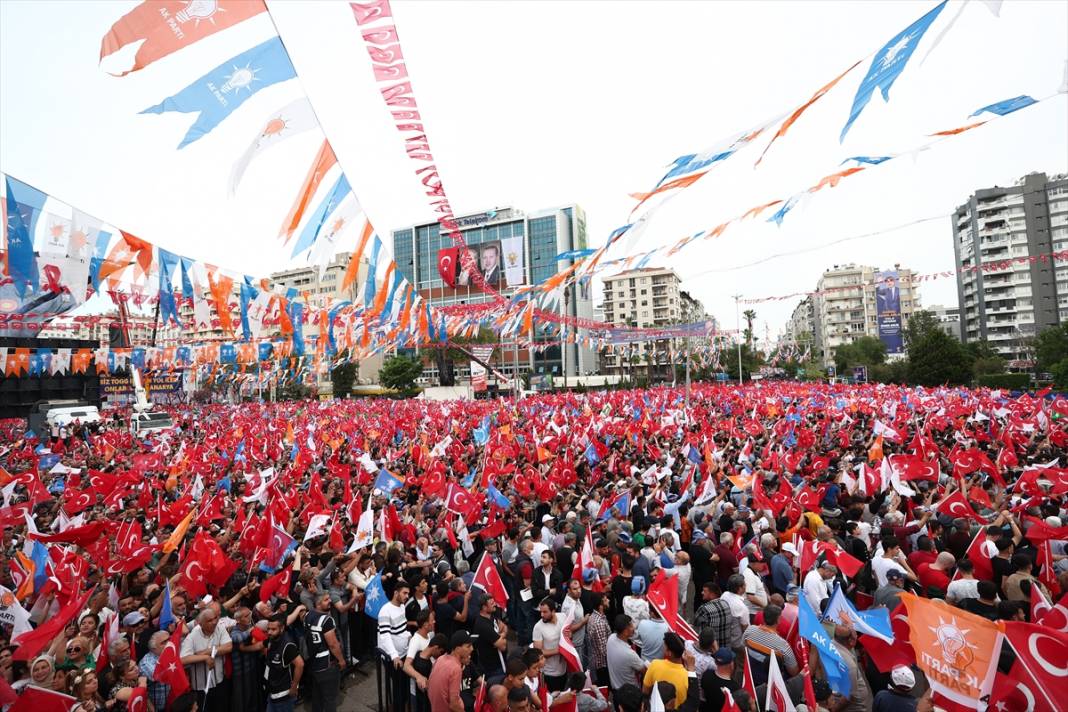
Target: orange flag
[(220, 287), (683, 182), (324, 160), (957, 651), (169, 25), (833, 179), (960, 130), (353, 269), (753, 212), (801, 109), (380, 300), (876, 452), (175, 539)]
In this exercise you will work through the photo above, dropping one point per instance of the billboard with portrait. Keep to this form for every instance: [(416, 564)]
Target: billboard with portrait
[(489, 260), (888, 310)]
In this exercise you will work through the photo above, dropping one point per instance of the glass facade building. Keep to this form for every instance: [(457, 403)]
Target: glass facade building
[(543, 235)]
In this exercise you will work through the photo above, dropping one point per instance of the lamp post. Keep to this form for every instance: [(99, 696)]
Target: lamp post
[(738, 328)]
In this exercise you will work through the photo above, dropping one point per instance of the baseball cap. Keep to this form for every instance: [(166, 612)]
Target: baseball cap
[(547, 518), (637, 585), (789, 548), (902, 677), (589, 575), (460, 637), (723, 656), (793, 591), (133, 618), (895, 574)]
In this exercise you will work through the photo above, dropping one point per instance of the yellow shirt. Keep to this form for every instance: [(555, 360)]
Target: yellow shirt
[(667, 671)]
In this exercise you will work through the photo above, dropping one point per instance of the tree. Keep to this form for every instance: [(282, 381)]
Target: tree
[(865, 351), (1051, 346), (980, 349), (750, 316), (751, 361), (343, 377), (891, 372), (936, 358), (400, 372), (920, 324), (985, 366)]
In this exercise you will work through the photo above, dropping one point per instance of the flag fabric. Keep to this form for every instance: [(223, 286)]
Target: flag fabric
[(374, 597), (324, 160), (166, 615), (387, 482), (221, 91), (23, 209), (498, 498), (364, 530), (12, 613), (176, 537), (618, 502), (169, 668), (1007, 106), (38, 699), (566, 648), (663, 595), (489, 579), (809, 628), (292, 119), (448, 258), (277, 585), (875, 621), (30, 643), (778, 697), (338, 193), (1018, 691), (1044, 613), (168, 26), (888, 64), (956, 650), (457, 499), (1044, 654)]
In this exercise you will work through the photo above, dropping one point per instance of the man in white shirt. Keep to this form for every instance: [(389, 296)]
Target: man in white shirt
[(818, 582), (547, 531), (892, 558), (573, 603), (735, 598), (964, 587), (204, 652), (546, 638), (756, 594), (393, 636)]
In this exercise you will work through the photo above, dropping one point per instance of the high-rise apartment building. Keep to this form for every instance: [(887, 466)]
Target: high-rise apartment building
[(644, 298), (512, 249), (856, 300), (1009, 288)]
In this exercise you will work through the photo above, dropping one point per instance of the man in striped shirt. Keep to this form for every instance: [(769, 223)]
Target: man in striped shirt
[(393, 639), (763, 641)]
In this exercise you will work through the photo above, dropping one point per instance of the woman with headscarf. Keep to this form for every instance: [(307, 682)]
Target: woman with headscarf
[(42, 674)]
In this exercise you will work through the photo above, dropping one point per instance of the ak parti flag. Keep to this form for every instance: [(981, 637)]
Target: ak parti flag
[(170, 25), (957, 651), (178, 534)]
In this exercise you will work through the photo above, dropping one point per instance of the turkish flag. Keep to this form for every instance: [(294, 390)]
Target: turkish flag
[(984, 568), (1043, 653), (138, 701), (663, 595), (277, 584), (80, 536), (31, 642), (448, 265), (955, 505), (169, 668), (1054, 617), (914, 468), (457, 499), (1017, 691), (487, 576), (36, 699)]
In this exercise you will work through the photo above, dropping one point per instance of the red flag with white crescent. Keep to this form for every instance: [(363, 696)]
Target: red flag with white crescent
[(448, 264)]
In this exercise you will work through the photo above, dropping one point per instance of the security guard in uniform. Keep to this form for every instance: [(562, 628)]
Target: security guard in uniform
[(325, 660), (284, 667)]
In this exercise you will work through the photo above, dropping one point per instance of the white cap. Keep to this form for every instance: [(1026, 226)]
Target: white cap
[(902, 677), (789, 548), (547, 518)]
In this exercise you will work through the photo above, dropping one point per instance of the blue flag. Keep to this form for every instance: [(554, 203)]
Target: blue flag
[(1008, 106), (498, 498), (870, 160), (372, 267), (888, 63), (315, 221), (810, 629), (694, 455), (374, 597), (168, 308), (874, 622), (166, 615), (387, 482), (39, 556), (482, 432), (23, 210), (218, 93), (591, 454), (786, 207)]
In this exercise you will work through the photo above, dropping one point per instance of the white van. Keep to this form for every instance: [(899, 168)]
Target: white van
[(84, 414), (146, 422)]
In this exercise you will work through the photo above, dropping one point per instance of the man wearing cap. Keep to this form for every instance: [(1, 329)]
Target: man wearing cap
[(443, 686), (888, 596), (898, 697), (547, 531), (715, 679), (782, 568)]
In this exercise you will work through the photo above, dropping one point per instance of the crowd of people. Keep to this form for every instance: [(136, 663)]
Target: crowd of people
[(619, 550)]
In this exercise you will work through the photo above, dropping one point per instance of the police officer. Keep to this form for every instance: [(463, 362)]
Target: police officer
[(325, 660), (284, 667)]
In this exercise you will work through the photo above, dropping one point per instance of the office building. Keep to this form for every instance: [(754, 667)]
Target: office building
[(856, 300), (801, 329), (645, 298), (517, 249), (1009, 289), (144, 331), (948, 319)]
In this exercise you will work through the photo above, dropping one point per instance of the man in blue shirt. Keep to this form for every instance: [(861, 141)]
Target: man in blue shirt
[(782, 568)]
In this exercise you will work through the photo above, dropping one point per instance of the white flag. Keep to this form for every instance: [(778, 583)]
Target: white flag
[(318, 525), (778, 698), (364, 531), (290, 120), (513, 259)]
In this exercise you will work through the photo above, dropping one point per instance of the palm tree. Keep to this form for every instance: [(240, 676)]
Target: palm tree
[(750, 316)]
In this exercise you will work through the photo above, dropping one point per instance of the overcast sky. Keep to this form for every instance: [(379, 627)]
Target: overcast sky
[(537, 104)]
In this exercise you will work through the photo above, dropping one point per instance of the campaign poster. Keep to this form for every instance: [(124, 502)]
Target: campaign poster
[(888, 310)]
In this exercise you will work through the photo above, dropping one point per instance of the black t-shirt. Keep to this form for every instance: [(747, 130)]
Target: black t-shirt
[(445, 617), (1002, 569), (986, 610), (469, 686), (714, 697), (489, 658)]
